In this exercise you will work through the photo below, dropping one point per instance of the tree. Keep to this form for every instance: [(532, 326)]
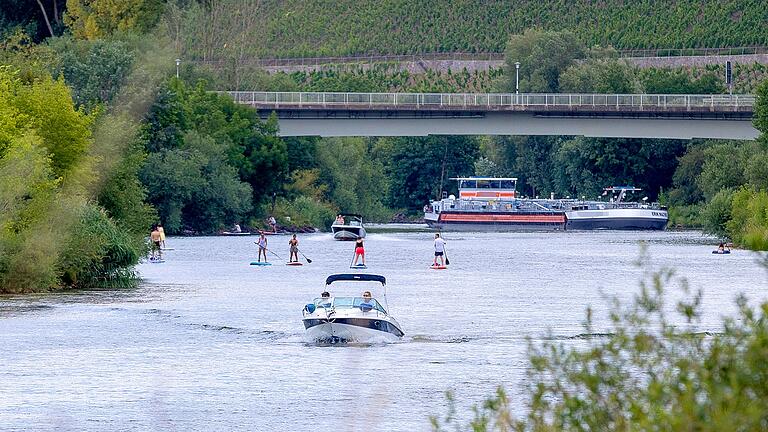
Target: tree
[(679, 81), (598, 76), (95, 70), (543, 56), (760, 118), (419, 168), (194, 188), (95, 19)]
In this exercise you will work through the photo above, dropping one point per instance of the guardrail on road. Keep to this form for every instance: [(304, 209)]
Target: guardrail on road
[(494, 101)]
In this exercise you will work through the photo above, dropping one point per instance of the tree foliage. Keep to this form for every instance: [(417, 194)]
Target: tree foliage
[(543, 56), (419, 168), (51, 234), (95, 19), (211, 162)]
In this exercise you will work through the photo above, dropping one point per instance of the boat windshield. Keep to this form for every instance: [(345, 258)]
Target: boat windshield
[(347, 302)]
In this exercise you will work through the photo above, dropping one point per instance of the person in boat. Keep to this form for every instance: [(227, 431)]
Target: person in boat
[(325, 299), (721, 248), (294, 244), (237, 228), (154, 237), (439, 250), (262, 242), (272, 223), (359, 250), (367, 300)]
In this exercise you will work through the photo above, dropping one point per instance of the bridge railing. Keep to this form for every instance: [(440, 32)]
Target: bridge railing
[(499, 101)]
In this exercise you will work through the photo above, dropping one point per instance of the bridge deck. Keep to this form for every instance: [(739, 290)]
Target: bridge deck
[(525, 102)]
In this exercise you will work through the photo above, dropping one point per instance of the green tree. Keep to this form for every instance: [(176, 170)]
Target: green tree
[(419, 168), (717, 213), (95, 70), (194, 188), (354, 176), (543, 56), (686, 189), (584, 166), (598, 76), (95, 19), (678, 81), (723, 167), (47, 107)]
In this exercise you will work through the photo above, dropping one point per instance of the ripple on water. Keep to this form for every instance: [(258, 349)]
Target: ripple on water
[(207, 342)]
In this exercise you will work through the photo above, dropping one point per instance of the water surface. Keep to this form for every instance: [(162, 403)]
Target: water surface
[(208, 342)]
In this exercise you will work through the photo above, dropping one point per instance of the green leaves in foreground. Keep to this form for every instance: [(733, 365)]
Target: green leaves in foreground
[(649, 374)]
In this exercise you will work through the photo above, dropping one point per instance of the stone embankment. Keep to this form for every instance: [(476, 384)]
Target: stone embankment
[(419, 66)]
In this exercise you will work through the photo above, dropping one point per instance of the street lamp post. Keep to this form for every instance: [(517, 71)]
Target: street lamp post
[(517, 77), (178, 62)]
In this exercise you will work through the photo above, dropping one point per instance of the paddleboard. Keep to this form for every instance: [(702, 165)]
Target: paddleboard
[(721, 253), (167, 249), (260, 263), (157, 261), (358, 266), (438, 267), (295, 263)]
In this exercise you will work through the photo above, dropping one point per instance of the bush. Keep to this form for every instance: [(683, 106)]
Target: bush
[(99, 253), (717, 213), (304, 211)]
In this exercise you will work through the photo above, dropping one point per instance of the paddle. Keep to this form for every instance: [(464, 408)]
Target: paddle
[(309, 261), (270, 251), (445, 253)]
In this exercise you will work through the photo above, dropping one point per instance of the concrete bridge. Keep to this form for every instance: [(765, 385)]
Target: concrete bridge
[(418, 114)]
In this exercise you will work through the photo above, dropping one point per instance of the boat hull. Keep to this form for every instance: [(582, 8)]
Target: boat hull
[(617, 219), (352, 330), (497, 221), (348, 233)]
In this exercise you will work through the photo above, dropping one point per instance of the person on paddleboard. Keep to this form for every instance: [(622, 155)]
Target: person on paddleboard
[(359, 250), (262, 242), (154, 237), (162, 235), (439, 250), (294, 244)]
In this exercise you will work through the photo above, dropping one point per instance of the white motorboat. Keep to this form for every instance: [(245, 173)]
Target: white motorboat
[(348, 226), (350, 318)]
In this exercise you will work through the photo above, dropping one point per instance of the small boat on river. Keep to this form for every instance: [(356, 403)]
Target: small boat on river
[(350, 318), (348, 226)]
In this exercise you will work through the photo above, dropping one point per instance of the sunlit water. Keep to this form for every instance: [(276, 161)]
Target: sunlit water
[(208, 342)]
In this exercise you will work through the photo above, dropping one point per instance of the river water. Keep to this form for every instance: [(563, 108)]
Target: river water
[(207, 342)]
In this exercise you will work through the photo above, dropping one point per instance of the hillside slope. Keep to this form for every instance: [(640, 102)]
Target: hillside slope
[(302, 28)]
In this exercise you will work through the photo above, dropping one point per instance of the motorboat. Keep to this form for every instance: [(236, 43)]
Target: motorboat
[(350, 318), (348, 226)]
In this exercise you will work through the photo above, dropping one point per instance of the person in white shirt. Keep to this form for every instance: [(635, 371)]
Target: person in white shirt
[(439, 249)]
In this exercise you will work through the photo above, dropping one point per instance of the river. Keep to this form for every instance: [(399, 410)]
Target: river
[(207, 342)]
